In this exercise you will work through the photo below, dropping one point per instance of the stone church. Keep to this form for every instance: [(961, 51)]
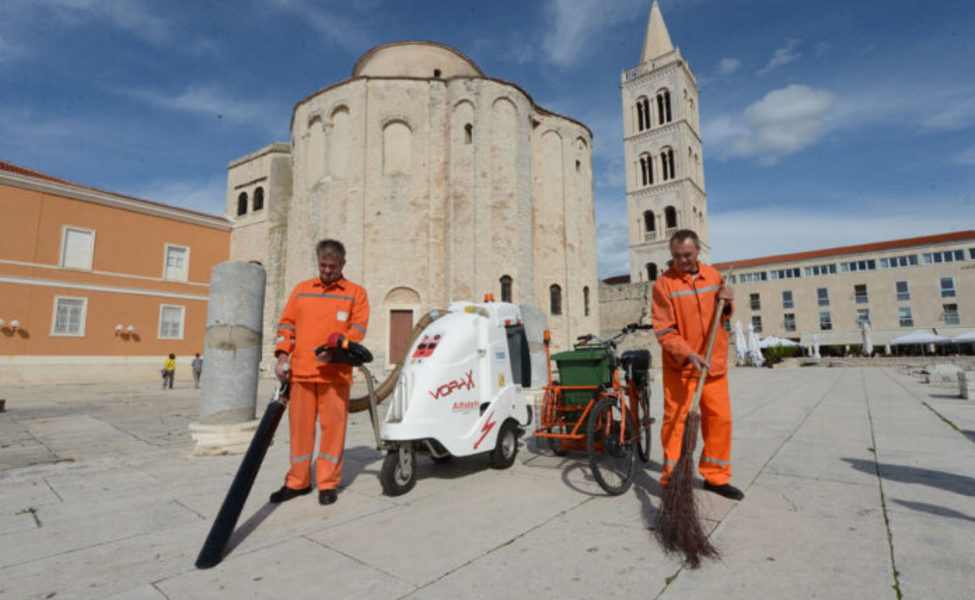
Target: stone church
[(443, 183)]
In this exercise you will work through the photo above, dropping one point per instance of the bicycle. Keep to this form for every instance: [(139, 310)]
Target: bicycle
[(614, 411)]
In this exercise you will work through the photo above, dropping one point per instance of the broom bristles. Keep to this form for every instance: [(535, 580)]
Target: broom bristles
[(677, 526)]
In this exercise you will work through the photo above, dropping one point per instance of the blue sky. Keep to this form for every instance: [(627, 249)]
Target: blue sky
[(824, 123)]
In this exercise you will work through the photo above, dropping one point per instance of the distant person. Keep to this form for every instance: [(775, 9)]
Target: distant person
[(169, 371), (318, 308), (684, 300), (197, 370)]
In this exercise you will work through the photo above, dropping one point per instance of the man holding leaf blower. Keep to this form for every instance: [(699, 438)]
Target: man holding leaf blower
[(685, 298), (320, 315)]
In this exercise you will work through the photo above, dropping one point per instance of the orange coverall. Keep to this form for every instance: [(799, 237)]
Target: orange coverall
[(682, 311), (318, 388)]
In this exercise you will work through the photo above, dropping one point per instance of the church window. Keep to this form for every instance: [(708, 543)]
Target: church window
[(667, 164), (651, 271), (646, 169), (397, 148), (578, 165), (670, 216), (258, 198), (555, 299), (242, 204), (505, 288), (649, 224), (436, 72), (663, 107), (585, 300), (642, 113), (468, 133)]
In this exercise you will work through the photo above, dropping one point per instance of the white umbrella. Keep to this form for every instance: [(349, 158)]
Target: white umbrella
[(754, 353), (741, 346), (965, 338), (815, 346), (867, 349), (919, 336), (772, 341)]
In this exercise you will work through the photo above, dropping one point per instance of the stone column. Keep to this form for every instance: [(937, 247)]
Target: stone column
[(231, 360)]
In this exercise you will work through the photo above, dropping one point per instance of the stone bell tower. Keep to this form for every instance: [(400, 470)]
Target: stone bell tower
[(662, 150)]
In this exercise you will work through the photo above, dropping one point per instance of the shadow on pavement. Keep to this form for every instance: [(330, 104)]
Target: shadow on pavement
[(646, 488), (933, 509), (248, 526), (959, 484)]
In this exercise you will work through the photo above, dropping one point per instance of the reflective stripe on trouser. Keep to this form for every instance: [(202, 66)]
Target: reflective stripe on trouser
[(715, 462), (330, 402)]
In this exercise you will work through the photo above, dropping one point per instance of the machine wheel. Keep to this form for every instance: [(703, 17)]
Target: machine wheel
[(398, 474), (506, 448), (644, 422), (613, 461)]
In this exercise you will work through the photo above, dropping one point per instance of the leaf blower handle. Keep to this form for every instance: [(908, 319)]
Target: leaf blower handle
[(712, 333)]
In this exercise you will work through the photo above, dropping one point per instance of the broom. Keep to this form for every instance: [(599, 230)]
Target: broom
[(677, 526)]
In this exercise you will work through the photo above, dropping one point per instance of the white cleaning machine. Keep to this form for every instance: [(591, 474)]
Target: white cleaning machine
[(460, 392)]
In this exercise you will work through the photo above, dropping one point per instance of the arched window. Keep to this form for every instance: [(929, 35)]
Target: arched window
[(258, 198), (651, 271), (585, 300), (397, 148), (649, 222), (555, 299), (667, 164), (505, 288), (242, 204), (468, 133), (663, 107), (642, 113), (646, 169), (670, 216)]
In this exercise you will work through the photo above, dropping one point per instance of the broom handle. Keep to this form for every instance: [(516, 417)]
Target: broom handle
[(715, 323)]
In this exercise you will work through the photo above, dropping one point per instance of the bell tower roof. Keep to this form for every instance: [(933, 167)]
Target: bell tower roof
[(657, 41)]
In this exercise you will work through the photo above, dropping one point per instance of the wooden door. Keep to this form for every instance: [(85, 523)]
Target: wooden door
[(400, 328)]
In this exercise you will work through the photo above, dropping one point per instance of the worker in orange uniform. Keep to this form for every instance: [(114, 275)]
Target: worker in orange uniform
[(318, 308), (684, 300)]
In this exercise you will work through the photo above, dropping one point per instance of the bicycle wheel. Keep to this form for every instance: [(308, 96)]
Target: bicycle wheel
[(643, 422), (613, 461)]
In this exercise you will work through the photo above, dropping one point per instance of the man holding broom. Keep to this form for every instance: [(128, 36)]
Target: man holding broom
[(685, 298)]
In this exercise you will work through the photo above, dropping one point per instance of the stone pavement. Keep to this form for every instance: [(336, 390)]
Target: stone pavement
[(860, 484)]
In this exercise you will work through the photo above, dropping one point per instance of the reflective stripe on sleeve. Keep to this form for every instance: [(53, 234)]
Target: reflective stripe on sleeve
[(288, 327), (663, 331), (360, 328), (702, 290)]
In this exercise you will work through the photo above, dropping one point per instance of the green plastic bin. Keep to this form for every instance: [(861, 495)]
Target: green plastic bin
[(583, 366)]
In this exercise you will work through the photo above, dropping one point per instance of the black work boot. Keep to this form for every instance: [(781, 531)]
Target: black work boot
[(286, 493), (327, 497), (727, 490)]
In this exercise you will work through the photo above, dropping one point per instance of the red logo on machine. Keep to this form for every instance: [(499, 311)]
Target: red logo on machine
[(465, 383), (426, 346), (488, 425)]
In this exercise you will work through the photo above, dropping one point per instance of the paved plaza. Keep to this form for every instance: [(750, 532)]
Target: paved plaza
[(860, 483)]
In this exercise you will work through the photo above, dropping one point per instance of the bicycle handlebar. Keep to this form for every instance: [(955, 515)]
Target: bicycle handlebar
[(612, 341)]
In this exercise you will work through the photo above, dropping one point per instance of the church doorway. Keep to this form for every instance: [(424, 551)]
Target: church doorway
[(400, 328)]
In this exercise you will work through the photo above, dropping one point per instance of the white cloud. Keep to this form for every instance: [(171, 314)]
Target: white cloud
[(203, 195), (784, 122), (575, 24), (134, 16), (209, 101), (728, 66), (782, 56), (612, 249), (967, 156), (346, 32)]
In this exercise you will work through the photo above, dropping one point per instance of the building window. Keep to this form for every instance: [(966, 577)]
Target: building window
[(667, 164), (505, 288), (77, 248), (790, 321), (69, 316), (946, 256), (646, 169), (825, 321), (468, 133), (663, 107), (787, 299), (258, 198), (397, 148), (822, 296), (171, 322), (951, 314), (642, 113), (755, 302), (947, 287), (858, 265), (242, 204), (585, 300), (670, 217), (860, 293), (651, 271), (905, 316), (902, 290), (177, 263), (895, 262), (815, 270), (757, 323), (784, 273), (649, 226), (555, 299), (752, 277), (971, 253), (863, 316)]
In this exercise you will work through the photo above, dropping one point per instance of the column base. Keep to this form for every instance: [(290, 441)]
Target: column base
[(218, 440)]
